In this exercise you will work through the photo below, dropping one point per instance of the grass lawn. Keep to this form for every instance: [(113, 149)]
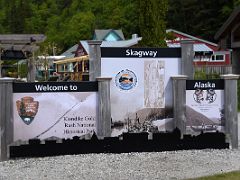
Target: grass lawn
[(235, 175)]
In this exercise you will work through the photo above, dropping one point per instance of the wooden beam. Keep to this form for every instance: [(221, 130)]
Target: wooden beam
[(21, 38), (76, 59)]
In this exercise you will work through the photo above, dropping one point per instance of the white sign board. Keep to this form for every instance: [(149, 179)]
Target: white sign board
[(141, 88), (205, 106), (63, 110)]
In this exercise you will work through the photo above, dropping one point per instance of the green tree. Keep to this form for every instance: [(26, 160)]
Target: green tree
[(16, 13), (69, 32), (22, 70), (55, 17), (199, 17), (152, 22), (229, 6)]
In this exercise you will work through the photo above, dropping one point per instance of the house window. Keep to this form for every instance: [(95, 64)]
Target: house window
[(61, 67), (218, 57)]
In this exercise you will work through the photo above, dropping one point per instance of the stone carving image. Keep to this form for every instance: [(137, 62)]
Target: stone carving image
[(154, 84), (27, 109)]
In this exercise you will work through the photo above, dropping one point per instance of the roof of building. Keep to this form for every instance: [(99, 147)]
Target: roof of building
[(70, 53), (233, 19), (69, 60), (101, 34), (191, 37), (196, 47), (124, 43), (51, 57)]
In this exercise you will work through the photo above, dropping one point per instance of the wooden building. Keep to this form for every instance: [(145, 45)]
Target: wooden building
[(207, 55), (75, 66), (228, 37), (75, 69), (18, 47)]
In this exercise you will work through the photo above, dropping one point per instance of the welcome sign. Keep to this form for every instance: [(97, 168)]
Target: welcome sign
[(59, 109), (141, 91), (204, 105)]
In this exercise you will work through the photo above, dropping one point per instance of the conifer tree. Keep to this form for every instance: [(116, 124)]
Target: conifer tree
[(152, 22)]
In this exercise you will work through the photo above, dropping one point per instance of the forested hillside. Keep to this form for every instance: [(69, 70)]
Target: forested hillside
[(199, 17), (65, 22)]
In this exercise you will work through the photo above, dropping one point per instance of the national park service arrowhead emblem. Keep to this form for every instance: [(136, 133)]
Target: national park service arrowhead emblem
[(27, 109)]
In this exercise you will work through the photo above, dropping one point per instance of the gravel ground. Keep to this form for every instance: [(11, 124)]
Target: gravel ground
[(161, 165), (157, 165)]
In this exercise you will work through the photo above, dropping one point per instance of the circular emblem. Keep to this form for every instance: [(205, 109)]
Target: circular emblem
[(126, 80)]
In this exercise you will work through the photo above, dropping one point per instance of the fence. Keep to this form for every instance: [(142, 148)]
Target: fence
[(213, 69)]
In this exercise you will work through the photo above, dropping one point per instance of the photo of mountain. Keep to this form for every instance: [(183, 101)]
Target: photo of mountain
[(195, 118), (145, 120), (197, 122)]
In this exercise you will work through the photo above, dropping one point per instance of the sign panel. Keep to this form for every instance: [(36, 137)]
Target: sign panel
[(59, 109), (141, 91), (205, 105)]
